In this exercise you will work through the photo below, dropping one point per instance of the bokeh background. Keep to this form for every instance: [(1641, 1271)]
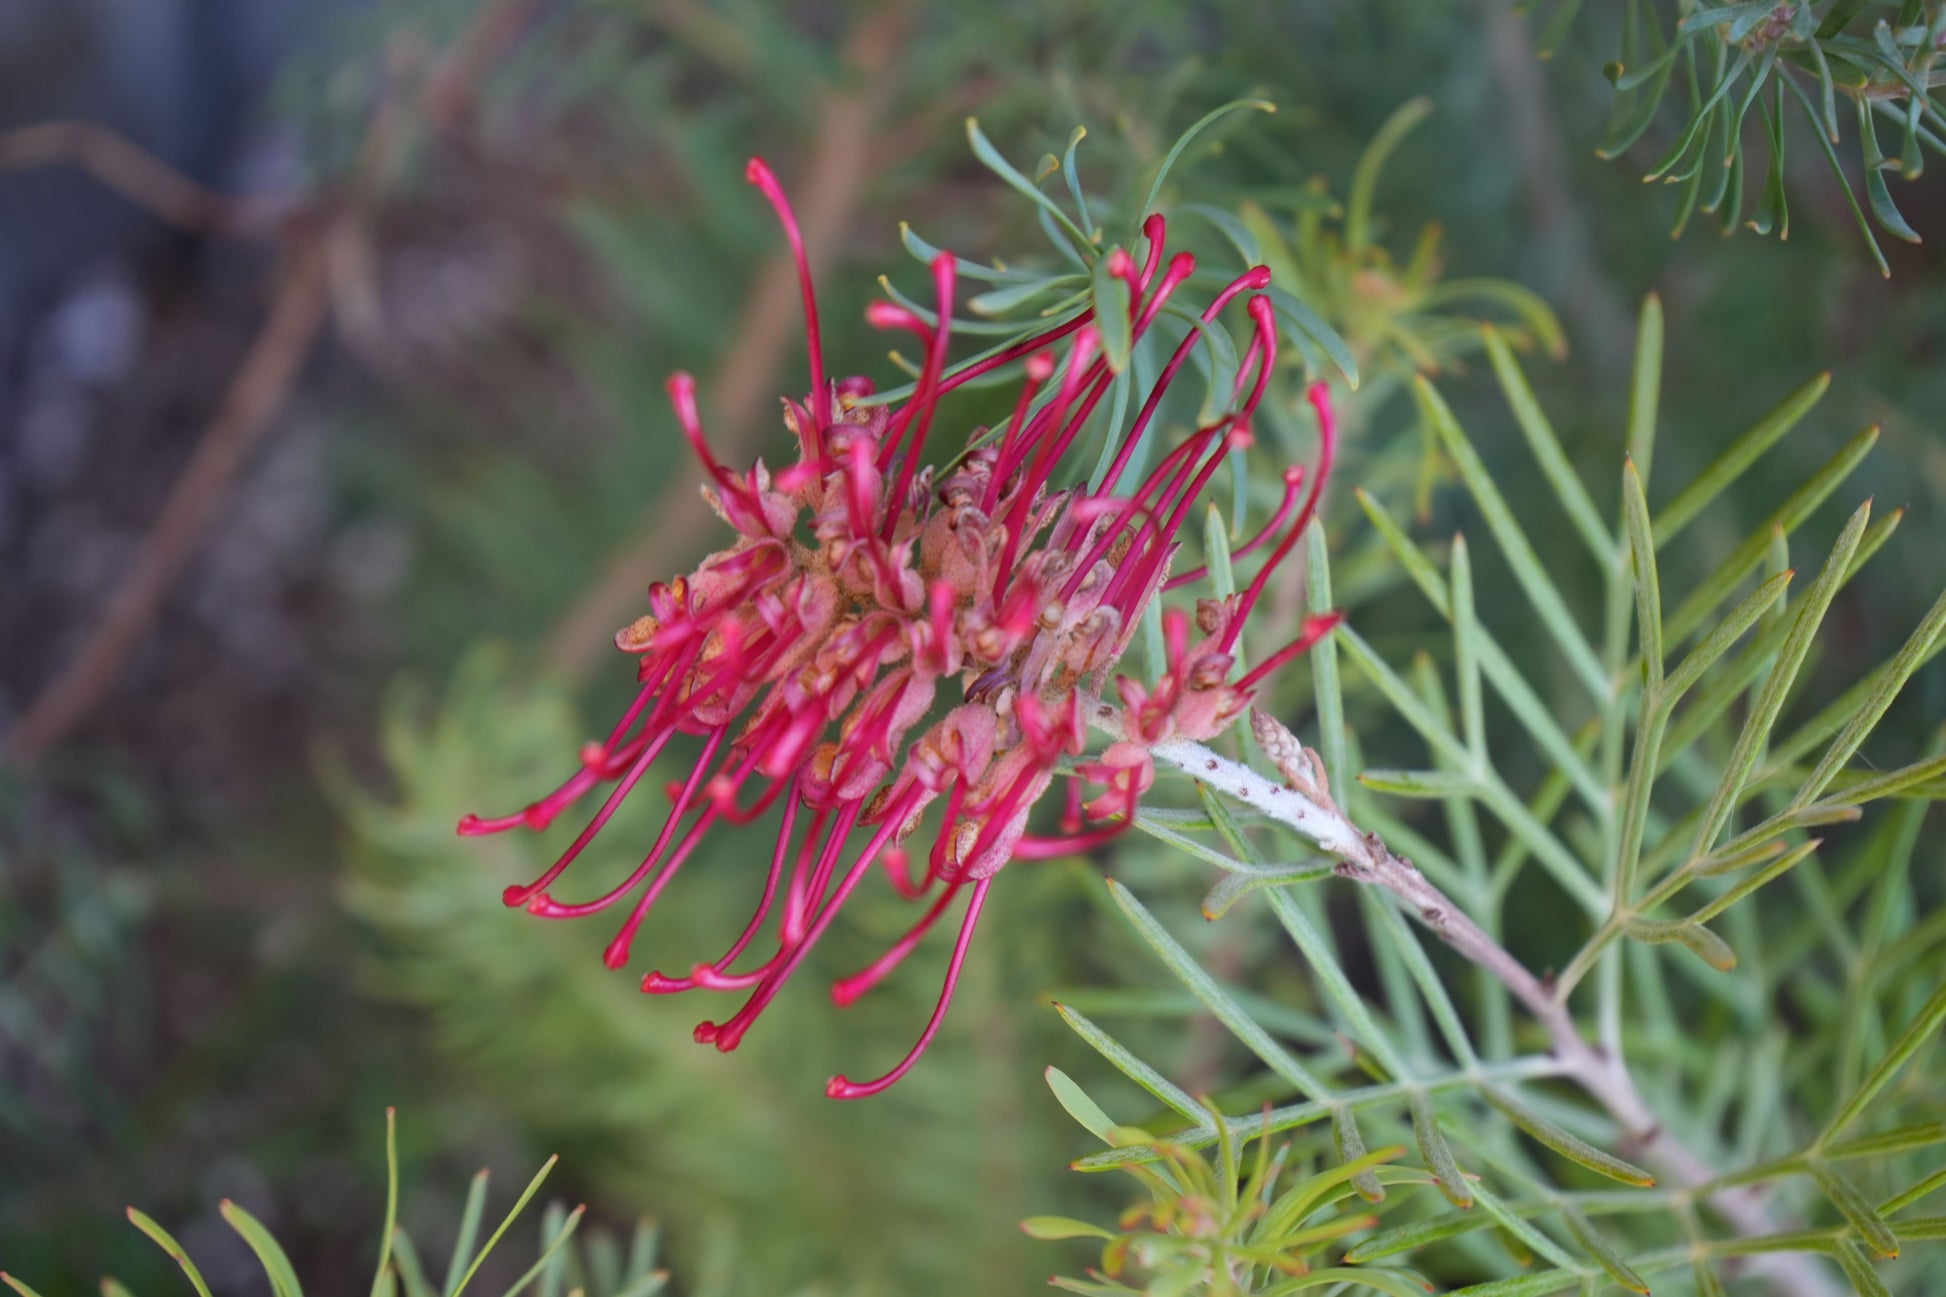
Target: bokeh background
[(234, 924)]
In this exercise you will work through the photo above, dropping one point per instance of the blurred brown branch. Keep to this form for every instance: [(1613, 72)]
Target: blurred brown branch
[(833, 178), (255, 396), (319, 232), (142, 178)]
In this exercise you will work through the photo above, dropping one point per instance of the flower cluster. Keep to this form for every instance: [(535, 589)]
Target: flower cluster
[(885, 640)]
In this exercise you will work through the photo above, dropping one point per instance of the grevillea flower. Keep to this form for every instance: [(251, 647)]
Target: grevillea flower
[(886, 643)]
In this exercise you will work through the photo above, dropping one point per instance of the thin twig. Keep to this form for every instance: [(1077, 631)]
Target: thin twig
[(1305, 805), (143, 179), (255, 396), (318, 229), (835, 175)]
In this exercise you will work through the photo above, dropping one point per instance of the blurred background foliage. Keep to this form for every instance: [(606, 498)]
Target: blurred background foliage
[(234, 922)]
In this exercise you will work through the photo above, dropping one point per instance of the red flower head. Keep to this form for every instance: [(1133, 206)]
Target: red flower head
[(811, 655)]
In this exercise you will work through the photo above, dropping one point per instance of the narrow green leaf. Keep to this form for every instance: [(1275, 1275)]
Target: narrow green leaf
[(1201, 124), (1899, 1202), (1838, 171), (166, 1241), (1922, 1134), (1466, 653), (1438, 1155), (1420, 783), (1858, 1270), (1541, 439), (1528, 569), (1884, 210), (1890, 784), (1856, 1208), (1395, 1285), (1151, 821), (513, 1213), (1695, 136), (1051, 1228), (1232, 229), (553, 1241), (1323, 657), (1350, 1147), (1219, 1001), (1413, 559), (1317, 951), (1757, 656), (1694, 937), (18, 1285), (1537, 1284), (1604, 1253), (1005, 301), (1234, 886), (1112, 323), (1556, 30), (1305, 324), (1885, 687), (1528, 308), (1909, 1043), (391, 1200), (1839, 17), (1072, 175), (925, 252), (412, 1274), (1645, 387), (1745, 886), (1728, 861), (992, 159), (1124, 1061), (1707, 1283), (1421, 971), (469, 1231), (1078, 1105), (1565, 1142), (1648, 587), (1407, 1238), (277, 1266), (1643, 54), (1770, 699), (1216, 551), (1773, 211), (1726, 633), (1090, 1289), (1737, 458), (1364, 178)]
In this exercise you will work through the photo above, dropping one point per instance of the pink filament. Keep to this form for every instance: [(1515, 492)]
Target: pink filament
[(840, 1088), (515, 897), (1293, 479), (1320, 397), (847, 990), (758, 173), (729, 1035)]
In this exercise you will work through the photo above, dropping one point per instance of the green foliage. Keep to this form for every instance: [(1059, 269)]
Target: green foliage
[(1227, 1228), (1876, 58), (1398, 316), (593, 1263), (1682, 777)]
